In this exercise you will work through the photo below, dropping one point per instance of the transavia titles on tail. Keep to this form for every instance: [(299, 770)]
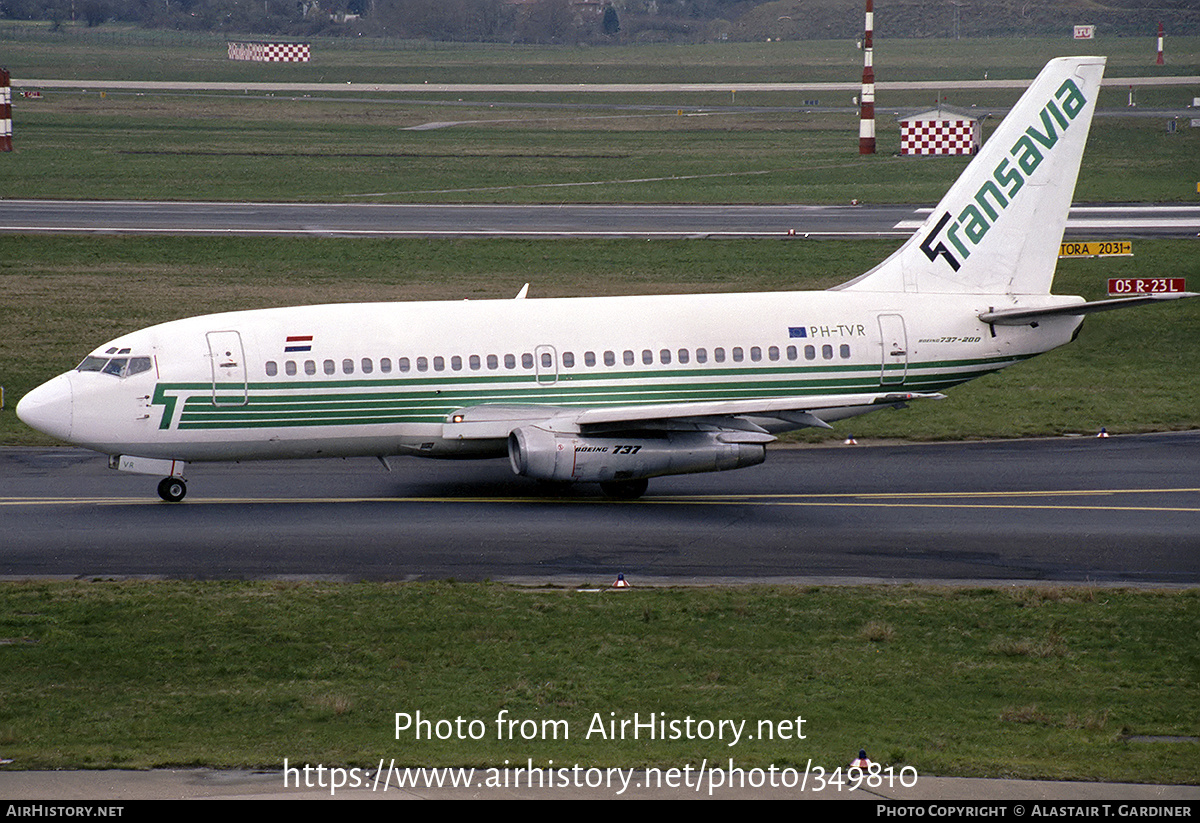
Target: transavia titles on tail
[(613, 390)]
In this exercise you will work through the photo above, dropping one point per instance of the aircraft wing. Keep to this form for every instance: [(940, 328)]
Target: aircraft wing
[(495, 421)]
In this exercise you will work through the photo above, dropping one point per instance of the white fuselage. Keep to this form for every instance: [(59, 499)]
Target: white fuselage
[(384, 378)]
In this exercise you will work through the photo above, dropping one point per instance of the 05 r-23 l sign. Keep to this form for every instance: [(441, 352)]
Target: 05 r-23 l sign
[(1145, 285)]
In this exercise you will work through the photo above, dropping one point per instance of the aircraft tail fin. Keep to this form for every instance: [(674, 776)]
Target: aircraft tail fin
[(998, 229)]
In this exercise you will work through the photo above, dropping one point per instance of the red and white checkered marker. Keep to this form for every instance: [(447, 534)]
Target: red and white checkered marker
[(937, 137), (270, 52)]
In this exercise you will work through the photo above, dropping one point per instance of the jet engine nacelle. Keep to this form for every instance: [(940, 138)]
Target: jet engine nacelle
[(546, 455)]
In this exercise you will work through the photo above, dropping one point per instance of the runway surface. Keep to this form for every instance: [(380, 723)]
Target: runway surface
[(1119, 510), (610, 220)]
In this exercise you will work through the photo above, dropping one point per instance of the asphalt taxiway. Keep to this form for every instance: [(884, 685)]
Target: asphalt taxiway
[(1122, 510), (366, 219)]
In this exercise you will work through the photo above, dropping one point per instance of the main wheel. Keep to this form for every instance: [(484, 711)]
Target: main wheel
[(624, 489), (172, 489)]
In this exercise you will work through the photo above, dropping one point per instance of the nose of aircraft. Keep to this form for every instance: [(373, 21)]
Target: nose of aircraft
[(49, 407)]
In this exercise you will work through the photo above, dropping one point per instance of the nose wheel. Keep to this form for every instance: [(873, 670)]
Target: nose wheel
[(172, 489)]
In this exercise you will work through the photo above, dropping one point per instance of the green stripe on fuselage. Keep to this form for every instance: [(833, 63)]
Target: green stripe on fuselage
[(429, 399)]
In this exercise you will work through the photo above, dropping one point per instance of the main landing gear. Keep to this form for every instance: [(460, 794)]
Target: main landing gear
[(172, 489)]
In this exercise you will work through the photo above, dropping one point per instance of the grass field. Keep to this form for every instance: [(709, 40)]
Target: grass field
[(1053, 683), (1046, 683), (107, 52), (703, 148), (197, 148), (1128, 371)]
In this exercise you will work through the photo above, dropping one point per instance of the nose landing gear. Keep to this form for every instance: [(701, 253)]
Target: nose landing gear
[(172, 489)]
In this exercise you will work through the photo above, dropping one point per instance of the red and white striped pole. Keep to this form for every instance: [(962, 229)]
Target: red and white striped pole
[(1159, 61), (5, 112), (866, 117)]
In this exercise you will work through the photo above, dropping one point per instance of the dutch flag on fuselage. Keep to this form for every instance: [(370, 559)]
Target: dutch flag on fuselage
[(298, 342)]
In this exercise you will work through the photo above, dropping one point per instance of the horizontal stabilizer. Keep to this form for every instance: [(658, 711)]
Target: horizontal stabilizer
[(1023, 317)]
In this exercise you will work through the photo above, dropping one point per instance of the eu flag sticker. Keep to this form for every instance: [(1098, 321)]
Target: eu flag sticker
[(797, 331)]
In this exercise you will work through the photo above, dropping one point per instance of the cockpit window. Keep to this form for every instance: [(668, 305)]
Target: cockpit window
[(117, 366), (92, 364)]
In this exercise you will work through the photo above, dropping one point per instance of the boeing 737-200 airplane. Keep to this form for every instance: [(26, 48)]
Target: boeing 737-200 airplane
[(612, 390)]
